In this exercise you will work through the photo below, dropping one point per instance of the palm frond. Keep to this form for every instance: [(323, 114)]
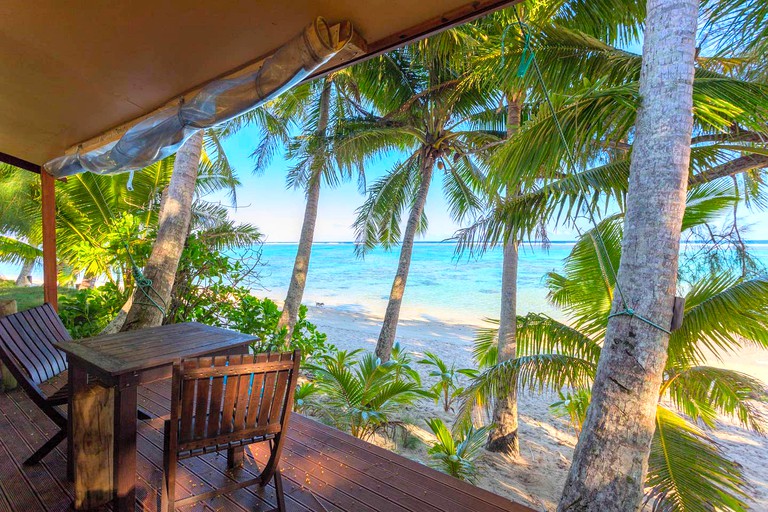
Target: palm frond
[(703, 392), (687, 471)]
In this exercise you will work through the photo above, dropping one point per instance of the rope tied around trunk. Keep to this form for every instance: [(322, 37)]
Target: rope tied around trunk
[(144, 285)]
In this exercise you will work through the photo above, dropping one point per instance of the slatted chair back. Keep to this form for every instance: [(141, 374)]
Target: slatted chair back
[(232, 400), (26, 344), (26, 348)]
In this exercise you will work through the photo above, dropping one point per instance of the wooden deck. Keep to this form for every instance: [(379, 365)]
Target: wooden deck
[(324, 470)]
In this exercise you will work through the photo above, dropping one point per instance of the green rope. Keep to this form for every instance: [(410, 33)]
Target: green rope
[(605, 260), (144, 285), (525, 58), (631, 312)]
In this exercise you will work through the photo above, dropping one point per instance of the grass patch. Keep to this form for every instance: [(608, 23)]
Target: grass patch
[(26, 296)]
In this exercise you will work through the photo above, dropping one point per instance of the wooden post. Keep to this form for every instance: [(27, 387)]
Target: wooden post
[(92, 446), (48, 199), (8, 382)]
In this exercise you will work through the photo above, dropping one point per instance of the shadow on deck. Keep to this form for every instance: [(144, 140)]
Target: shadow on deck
[(324, 470)]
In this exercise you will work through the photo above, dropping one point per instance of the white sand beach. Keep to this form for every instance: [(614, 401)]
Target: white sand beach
[(535, 477)]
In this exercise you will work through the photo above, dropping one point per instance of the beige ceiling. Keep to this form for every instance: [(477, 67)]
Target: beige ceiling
[(72, 69)]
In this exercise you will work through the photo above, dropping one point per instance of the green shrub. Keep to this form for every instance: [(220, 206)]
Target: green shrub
[(361, 395), (87, 312), (401, 359), (302, 402), (573, 404), (455, 454), (213, 288)]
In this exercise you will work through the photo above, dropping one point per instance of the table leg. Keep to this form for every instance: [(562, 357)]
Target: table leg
[(235, 457), (126, 405), (77, 382)]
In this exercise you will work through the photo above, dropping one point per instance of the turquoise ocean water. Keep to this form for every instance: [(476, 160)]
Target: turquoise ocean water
[(439, 284)]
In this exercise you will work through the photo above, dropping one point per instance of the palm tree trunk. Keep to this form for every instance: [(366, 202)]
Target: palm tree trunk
[(504, 438), (25, 275), (173, 226), (392, 315), (117, 323), (301, 264), (88, 282), (611, 458)]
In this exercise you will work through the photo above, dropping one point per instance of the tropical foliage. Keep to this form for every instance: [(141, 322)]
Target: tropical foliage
[(360, 395), (516, 153), (87, 312), (446, 386), (455, 454), (722, 313)]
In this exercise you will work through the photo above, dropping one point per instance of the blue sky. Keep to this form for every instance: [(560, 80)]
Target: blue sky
[(264, 200), (278, 212)]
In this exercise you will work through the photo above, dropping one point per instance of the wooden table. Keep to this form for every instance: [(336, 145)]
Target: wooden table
[(120, 363)]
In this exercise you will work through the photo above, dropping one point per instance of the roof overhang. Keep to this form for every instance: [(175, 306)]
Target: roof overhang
[(72, 74)]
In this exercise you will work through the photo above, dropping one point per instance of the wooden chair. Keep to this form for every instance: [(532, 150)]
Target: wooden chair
[(26, 349), (226, 403)]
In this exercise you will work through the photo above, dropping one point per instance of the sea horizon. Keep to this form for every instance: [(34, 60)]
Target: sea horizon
[(441, 285)]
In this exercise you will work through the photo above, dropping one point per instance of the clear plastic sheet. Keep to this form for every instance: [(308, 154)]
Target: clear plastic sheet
[(163, 132)]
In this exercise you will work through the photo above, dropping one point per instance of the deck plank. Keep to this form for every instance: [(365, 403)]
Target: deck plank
[(324, 470)]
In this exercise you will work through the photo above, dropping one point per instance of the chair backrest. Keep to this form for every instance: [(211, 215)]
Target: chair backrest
[(219, 400), (26, 343)]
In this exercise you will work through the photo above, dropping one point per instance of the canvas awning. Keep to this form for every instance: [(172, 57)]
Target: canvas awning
[(79, 75), (161, 133), (76, 77)]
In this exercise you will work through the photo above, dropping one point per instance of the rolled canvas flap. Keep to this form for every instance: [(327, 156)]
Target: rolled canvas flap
[(163, 132)]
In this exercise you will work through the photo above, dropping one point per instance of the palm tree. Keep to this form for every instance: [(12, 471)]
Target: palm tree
[(202, 150), (173, 225), (438, 123), (97, 215), (561, 29), (362, 394), (571, 54), (21, 238), (687, 471), (315, 109)]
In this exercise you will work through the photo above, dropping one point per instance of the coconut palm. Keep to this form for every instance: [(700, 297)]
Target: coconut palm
[(571, 54), (722, 313), (446, 386), (173, 224), (424, 112), (362, 394), (455, 454), (20, 240), (314, 110)]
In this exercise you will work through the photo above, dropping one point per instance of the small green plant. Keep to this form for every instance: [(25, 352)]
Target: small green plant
[(455, 454), (572, 404), (401, 359), (86, 312), (302, 402), (447, 385), (361, 395)]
